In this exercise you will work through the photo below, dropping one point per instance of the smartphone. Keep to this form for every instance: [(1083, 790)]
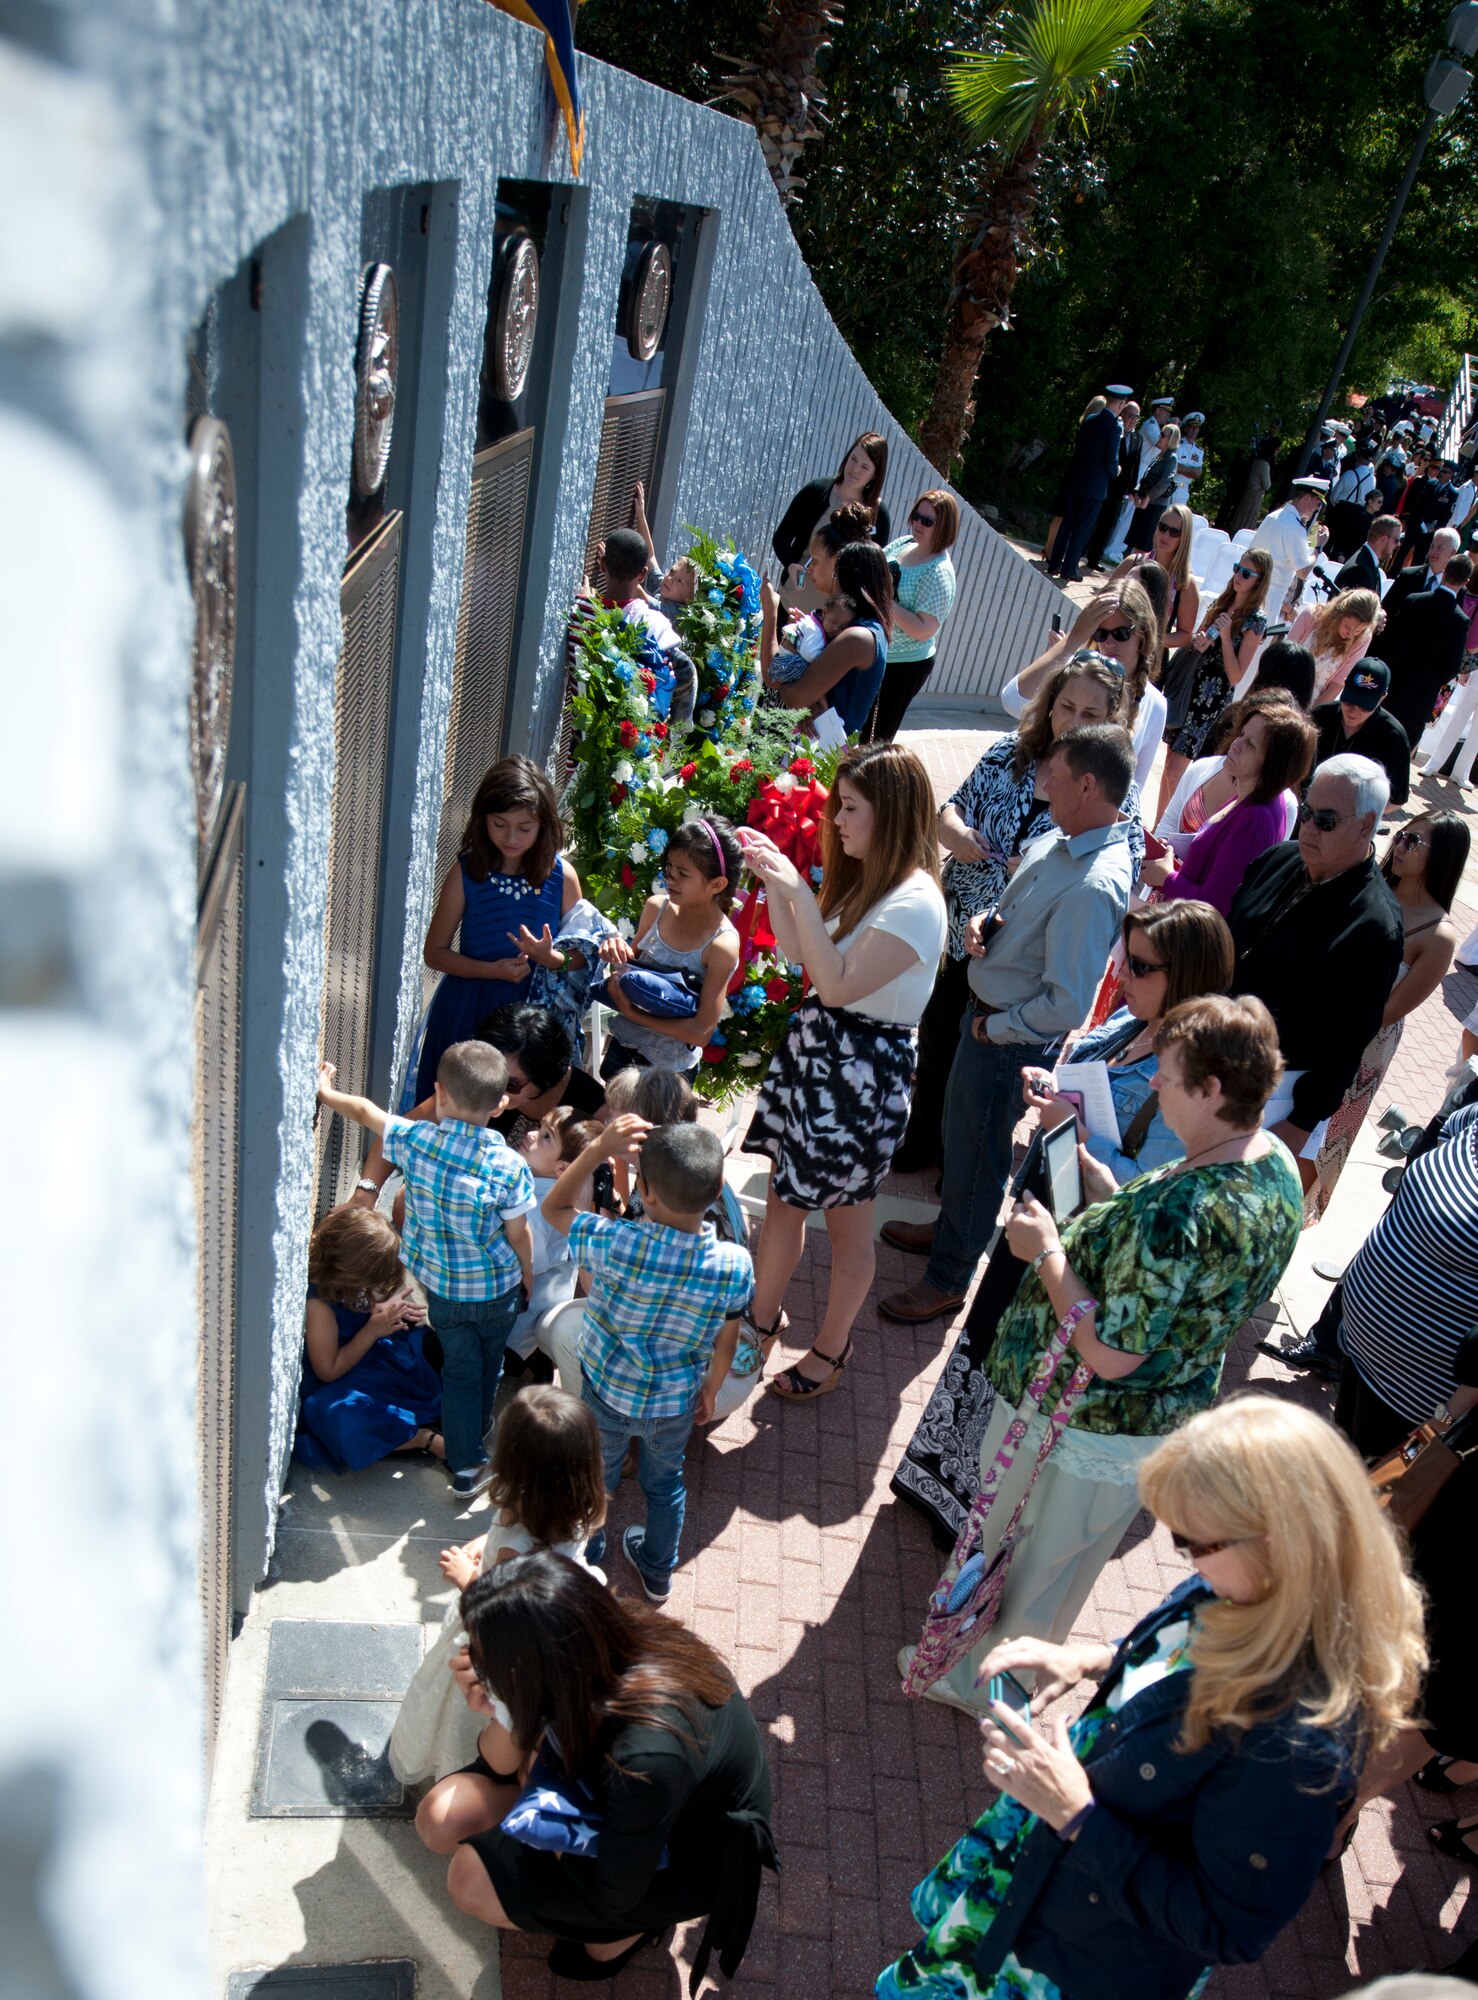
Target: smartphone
[(1074, 1098), (1006, 1688), (1064, 1175)]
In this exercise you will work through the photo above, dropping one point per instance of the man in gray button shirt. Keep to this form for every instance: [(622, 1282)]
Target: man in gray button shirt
[(1034, 975)]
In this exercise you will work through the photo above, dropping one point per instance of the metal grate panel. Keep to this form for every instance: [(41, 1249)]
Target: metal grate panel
[(218, 982), (630, 434), (497, 510), (361, 742)]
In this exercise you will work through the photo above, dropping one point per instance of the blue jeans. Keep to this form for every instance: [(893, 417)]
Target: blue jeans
[(473, 1334), (663, 1441), (981, 1106)]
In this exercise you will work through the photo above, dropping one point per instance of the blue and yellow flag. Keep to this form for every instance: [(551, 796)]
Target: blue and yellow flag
[(553, 17)]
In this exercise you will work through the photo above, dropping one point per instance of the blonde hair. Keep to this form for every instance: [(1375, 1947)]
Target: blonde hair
[(1179, 571), (1338, 1634), (1361, 604), (1096, 405)]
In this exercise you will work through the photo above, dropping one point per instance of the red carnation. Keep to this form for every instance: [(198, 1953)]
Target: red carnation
[(628, 879), (628, 733), (721, 690), (738, 769), (714, 1055), (688, 773), (659, 730), (777, 989), (648, 679), (618, 794), (803, 768)]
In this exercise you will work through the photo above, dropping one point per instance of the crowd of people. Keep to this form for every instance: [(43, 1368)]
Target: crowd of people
[(1138, 1048)]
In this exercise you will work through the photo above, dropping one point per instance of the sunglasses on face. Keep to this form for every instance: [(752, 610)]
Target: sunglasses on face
[(1325, 818), (1406, 839), (1142, 967), (923, 520), (1120, 634), (1243, 570), (1199, 1551), (1171, 534)]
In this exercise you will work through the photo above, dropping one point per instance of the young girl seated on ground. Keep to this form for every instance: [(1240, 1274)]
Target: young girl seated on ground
[(684, 930), (368, 1388), (546, 1493)]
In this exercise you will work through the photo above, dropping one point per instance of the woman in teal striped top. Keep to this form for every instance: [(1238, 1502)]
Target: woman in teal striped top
[(926, 591)]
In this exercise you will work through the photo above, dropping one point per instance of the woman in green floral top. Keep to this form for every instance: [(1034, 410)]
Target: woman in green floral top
[(1177, 1261)]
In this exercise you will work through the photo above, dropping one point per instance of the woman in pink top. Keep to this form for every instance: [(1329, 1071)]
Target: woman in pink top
[(1270, 756), (1337, 634)]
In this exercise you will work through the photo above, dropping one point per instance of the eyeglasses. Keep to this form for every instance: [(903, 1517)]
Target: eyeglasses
[(1243, 570), (1199, 1551), (1142, 967), (1408, 839), (1172, 533), (1120, 634), (924, 520), (1325, 818)]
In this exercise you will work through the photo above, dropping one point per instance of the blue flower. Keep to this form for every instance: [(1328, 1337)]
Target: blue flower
[(815, 874), (748, 704), (656, 840), (622, 672), (716, 657), (715, 597), (755, 995), (718, 1039), (644, 746)]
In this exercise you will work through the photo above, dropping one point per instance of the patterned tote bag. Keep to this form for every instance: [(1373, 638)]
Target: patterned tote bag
[(967, 1598)]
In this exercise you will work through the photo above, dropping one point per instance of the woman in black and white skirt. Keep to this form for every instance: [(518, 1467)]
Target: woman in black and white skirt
[(835, 1103)]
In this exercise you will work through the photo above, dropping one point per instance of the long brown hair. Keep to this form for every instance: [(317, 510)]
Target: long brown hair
[(355, 1251), (564, 1652), (514, 785), (1034, 736), (904, 832), (1195, 943), (1262, 562), (1289, 743), (876, 447), (546, 1466), (1178, 569)]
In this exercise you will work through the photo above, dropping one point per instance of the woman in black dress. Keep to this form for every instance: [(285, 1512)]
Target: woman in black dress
[(648, 1720)]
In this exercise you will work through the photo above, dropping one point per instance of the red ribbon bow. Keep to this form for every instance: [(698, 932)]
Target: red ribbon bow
[(792, 819)]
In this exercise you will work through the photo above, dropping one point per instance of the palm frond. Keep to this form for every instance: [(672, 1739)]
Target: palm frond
[(1054, 58)]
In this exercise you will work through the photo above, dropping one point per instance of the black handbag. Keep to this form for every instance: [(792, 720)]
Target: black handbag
[(1178, 685)]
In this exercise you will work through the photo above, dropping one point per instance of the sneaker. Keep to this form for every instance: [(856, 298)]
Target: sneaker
[(658, 1589), (467, 1485)]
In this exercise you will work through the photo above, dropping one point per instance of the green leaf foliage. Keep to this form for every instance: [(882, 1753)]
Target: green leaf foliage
[(1051, 62)]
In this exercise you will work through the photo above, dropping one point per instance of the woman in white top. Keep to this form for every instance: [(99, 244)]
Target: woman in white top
[(1120, 624), (835, 1102)]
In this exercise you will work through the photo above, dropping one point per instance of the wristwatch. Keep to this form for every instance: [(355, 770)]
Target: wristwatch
[(367, 1186)]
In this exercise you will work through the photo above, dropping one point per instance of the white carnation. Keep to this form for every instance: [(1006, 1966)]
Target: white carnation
[(750, 1059), (706, 718), (638, 851), (625, 928), (624, 772), (690, 813), (784, 782)]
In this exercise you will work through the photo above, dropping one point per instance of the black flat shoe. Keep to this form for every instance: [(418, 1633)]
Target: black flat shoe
[(1448, 1836), (1432, 1777), (570, 1960)]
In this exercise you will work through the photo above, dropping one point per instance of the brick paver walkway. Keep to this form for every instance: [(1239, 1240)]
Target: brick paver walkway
[(807, 1577)]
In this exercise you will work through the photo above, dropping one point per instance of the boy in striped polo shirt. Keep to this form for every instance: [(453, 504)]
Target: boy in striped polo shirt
[(661, 1320), (468, 1198)]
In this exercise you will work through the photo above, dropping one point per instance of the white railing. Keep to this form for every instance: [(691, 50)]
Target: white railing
[(1459, 411)]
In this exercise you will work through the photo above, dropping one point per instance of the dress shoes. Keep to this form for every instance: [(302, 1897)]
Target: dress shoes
[(919, 1304), (917, 1237), (1305, 1355)]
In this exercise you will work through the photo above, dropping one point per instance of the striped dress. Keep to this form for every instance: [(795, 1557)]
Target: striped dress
[(1411, 1295)]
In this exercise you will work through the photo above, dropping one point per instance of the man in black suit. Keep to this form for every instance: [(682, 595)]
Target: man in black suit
[(1421, 576), (1095, 462), (1364, 570), (1423, 646), (1120, 487)]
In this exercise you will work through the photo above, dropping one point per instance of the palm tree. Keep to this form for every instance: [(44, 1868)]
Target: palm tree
[(1052, 61), (779, 91)]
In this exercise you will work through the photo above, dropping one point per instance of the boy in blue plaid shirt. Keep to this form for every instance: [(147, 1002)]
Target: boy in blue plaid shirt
[(468, 1198), (661, 1321)]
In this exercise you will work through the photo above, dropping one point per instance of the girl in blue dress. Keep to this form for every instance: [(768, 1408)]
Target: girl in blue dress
[(507, 897), (368, 1388)]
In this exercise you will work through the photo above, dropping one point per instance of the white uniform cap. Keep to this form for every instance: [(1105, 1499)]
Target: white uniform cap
[(1194, 417), (1117, 389)]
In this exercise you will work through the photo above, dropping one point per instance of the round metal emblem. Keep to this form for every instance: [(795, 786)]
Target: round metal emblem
[(515, 317), (651, 295), (376, 364), (210, 550)]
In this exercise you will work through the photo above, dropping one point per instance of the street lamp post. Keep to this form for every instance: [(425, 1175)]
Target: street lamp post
[(1445, 87)]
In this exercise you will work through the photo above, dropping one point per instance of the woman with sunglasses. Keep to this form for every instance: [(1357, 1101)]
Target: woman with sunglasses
[(1170, 547), (984, 826), (1173, 952), (1266, 762), (1424, 867), (1121, 627), (1224, 650), (1159, 1275), (644, 1717), (925, 594), (1183, 1819), (1338, 634)]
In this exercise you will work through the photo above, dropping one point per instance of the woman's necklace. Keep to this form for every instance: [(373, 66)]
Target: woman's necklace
[(1232, 1139)]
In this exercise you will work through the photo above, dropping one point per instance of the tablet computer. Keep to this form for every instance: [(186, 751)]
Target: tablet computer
[(1064, 1176)]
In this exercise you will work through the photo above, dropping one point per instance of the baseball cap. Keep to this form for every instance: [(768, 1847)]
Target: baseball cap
[(1367, 685)]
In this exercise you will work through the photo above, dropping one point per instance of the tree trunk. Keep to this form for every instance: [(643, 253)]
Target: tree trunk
[(980, 300), (779, 92)]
